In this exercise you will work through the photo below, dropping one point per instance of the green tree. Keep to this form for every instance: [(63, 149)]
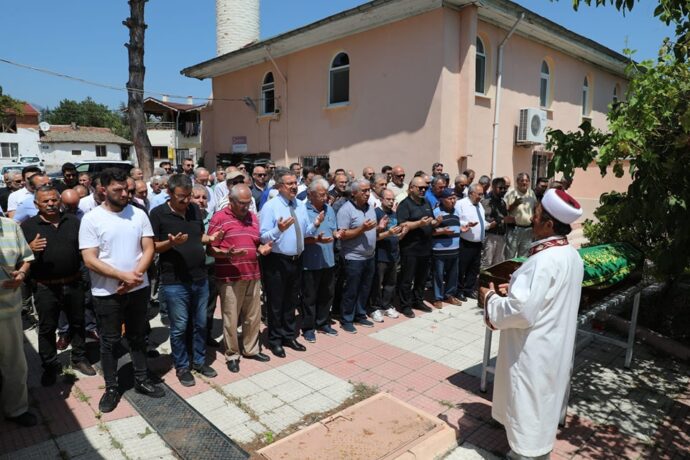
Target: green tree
[(650, 131), (87, 113), (9, 104)]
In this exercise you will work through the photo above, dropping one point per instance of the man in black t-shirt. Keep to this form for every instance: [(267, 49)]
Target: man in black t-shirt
[(179, 237), (415, 249)]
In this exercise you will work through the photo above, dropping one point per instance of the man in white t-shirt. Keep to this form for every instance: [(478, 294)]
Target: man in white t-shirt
[(116, 241), (18, 196)]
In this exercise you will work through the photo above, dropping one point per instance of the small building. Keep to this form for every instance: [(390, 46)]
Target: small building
[(60, 144), (19, 135), (174, 129), (465, 83)]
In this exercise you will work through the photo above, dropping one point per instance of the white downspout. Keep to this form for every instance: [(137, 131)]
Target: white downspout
[(283, 109), (499, 82)]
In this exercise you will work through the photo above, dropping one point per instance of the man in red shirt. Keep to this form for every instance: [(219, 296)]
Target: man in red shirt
[(237, 274)]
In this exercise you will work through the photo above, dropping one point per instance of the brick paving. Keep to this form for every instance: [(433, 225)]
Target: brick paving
[(431, 361)]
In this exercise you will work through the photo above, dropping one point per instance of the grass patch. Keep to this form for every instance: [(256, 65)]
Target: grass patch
[(146, 432), (80, 395)]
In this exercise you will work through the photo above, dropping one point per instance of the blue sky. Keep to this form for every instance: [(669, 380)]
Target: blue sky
[(85, 38)]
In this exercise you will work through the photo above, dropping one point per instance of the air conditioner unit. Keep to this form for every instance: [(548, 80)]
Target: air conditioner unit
[(532, 128)]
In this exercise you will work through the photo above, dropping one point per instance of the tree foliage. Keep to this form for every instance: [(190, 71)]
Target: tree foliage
[(676, 12), (8, 103), (87, 113), (650, 134)]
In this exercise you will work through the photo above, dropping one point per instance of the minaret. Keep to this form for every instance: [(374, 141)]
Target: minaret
[(237, 24)]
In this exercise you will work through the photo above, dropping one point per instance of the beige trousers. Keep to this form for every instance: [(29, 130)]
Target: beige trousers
[(13, 367), (240, 304)]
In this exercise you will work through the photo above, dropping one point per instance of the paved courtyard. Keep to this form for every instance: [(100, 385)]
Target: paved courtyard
[(431, 362)]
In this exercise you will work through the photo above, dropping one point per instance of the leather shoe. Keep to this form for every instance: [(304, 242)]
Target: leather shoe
[(278, 351), (462, 298), (294, 344), (148, 388), (109, 400), (421, 306), (261, 357), (26, 419), (84, 367), (63, 342), (49, 376), (233, 365), (93, 335)]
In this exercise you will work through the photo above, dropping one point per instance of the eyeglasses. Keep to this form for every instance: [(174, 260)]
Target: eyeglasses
[(260, 174), (423, 189), (182, 197), (401, 176)]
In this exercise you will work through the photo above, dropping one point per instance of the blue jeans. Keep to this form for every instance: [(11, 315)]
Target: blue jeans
[(445, 276), (187, 302), (359, 276)]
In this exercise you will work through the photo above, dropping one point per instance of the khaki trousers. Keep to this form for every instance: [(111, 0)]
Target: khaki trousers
[(240, 304), (492, 252), (13, 367)]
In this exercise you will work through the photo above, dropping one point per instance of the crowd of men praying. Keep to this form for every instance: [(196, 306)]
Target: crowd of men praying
[(302, 249)]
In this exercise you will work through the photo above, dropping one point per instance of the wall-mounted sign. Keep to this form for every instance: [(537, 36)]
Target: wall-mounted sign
[(239, 144)]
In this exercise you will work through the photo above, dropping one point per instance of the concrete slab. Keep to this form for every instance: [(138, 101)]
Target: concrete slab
[(381, 427)]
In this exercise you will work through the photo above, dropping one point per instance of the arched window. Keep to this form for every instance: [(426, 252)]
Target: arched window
[(339, 80), (544, 85), (585, 98), (268, 93), (480, 71)]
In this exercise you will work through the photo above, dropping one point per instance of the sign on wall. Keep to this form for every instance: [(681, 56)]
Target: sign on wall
[(239, 144)]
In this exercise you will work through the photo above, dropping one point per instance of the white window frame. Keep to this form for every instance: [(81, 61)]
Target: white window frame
[(103, 149), (265, 89), (480, 55), (586, 92), (331, 70), (11, 148), (545, 77)]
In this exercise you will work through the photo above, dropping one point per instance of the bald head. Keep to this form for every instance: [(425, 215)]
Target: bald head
[(70, 199), (81, 190)]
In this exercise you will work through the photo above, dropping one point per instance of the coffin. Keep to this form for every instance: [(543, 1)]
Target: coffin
[(608, 267)]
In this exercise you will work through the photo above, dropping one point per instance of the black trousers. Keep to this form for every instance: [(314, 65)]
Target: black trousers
[(470, 261), (413, 273), (282, 280), (317, 297), (385, 282), (50, 300), (111, 311)]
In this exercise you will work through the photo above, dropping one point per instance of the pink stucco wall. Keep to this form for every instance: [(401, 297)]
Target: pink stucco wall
[(412, 100)]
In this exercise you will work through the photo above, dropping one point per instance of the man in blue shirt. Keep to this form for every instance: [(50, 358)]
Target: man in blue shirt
[(445, 249), (284, 222), (357, 220), (433, 194), (27, 208), (318, 278)]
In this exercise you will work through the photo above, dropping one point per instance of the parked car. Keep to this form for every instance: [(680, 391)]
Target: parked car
[(94, 167), (30, 161)]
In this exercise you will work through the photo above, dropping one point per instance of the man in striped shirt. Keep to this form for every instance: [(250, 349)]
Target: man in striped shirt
[(237, 274)]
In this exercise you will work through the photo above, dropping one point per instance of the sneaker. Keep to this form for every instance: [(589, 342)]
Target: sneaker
[(27, 419), (109, 400), (392, 313), (328, 330), (377, 316), (148, 388), (364, 322), (349, 328), (185, 377), (205, 370), (309, 336)]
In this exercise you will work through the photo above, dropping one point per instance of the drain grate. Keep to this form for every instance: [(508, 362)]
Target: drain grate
[(184, 429)]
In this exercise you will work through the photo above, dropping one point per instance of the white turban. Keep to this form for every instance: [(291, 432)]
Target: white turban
[(561, 206)]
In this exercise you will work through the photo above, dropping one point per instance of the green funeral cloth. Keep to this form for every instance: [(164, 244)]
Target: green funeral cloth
[(607, 264)]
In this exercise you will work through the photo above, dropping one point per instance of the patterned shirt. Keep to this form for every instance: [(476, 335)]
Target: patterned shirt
[(13, 251)]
